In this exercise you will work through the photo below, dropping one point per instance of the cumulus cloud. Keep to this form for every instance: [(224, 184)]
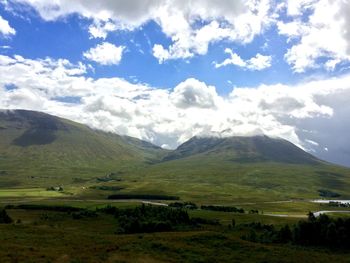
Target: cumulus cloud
[(105, 54), (194, 93), (320, 29), (313, 115), (190, 25), (100, 29), (234, 21), (5, 28), (259, 62)]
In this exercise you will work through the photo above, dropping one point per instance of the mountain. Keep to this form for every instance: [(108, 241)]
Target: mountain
[(243, 150), (39, 151), (245, 169), (41, 145)]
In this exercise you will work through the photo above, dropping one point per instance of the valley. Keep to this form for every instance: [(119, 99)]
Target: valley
[(58, 178)]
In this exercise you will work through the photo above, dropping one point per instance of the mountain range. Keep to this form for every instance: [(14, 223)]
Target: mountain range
[(41, 150)]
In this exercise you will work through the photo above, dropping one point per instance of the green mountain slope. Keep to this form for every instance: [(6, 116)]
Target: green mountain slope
[(244, 149), (243, 169), (35, 145)]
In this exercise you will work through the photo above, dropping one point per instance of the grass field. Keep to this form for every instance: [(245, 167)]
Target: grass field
[(49, 236), (29, 192)]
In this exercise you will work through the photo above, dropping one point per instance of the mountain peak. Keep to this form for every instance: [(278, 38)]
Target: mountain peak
[(258, 148)]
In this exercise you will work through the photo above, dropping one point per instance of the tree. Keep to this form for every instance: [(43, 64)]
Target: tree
[(311, 217), (285, 234), (233, 222)]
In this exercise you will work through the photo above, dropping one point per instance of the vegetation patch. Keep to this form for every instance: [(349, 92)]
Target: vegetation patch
[(338, 204), (78, 180), (321, 231), (4, 217), (106, 188), (185, 205), (143, 196), (146, 219), (84, 214), (327, 193), (56, 208), (35, 136), (107, 179), (115, 176), (327, 173), (222, 208), (55, 188)]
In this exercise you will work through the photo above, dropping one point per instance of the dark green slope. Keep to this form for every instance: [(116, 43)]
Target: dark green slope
[(243, 150), (245, 169), (34, 144)]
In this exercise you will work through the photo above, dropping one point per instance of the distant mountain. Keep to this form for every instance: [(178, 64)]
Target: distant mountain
[(45, 151), (38, 144), (243, 150)]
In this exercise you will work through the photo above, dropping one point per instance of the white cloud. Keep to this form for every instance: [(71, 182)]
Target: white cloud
[(5, 28), (318, 30), (234, 21), (100, 29), (313, 115), (105, 54), (259, 62), (190, 25), (323, 35), (194, 93)]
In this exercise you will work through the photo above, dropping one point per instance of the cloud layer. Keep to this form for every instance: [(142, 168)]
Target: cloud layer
[(313, 115), (190, 25), (316, 30), (322, 39)]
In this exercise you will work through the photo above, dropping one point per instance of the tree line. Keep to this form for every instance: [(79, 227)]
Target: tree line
[(315, 231)]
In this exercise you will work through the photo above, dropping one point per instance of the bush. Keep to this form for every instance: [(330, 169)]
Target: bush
[(84, 214), (107, 188), (327, 193), (203, 221), (186, 205), (233, 222), (147, 218), (223, 208), (4, 217)]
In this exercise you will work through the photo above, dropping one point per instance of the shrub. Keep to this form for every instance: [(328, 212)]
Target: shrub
[(223, 208), (4, 217), (147, 218)]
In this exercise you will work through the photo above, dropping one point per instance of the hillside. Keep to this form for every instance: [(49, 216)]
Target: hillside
[(243, 150), (245, 169), (37, 145)]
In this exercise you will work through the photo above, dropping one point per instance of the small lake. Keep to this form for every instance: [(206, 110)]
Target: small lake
[(324, 201), (316, 214)]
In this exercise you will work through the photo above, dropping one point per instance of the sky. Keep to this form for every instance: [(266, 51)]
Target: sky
[(167, 70)]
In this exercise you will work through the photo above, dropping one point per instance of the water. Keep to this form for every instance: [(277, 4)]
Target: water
[(323, 201), (318, 213)]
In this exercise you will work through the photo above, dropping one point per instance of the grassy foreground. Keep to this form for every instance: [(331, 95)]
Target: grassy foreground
[(57, 236)]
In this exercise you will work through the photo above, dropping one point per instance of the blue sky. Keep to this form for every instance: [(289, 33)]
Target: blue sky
[(69, 38), (164, 71)]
